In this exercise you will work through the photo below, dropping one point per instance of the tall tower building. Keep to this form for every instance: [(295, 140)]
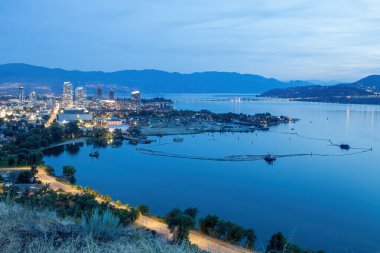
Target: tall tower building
[(99, 92), (136, 100), (111, 95), (33, 96), (67, 95), (80, 97), (21, 96)]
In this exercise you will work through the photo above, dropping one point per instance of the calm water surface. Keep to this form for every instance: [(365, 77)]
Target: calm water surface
[(329, 202)]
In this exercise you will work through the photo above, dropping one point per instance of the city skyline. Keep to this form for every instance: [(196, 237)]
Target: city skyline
[(294, 40)]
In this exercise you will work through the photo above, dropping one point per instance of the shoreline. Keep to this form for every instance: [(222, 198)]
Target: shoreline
[(66, 142), (203, 241)]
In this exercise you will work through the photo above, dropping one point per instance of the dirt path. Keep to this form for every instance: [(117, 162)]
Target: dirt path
[(15, 168), (54, 184)]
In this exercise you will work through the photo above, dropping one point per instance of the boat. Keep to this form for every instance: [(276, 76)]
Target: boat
[(270, 158), (178, 139), (94, 154), (263, 128), (344, 146), (146, 141), (133, 142)]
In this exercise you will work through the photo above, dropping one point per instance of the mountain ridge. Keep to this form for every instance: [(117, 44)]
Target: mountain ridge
[(147, 80)]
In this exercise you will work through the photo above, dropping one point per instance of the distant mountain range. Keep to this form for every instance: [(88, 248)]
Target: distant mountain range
[(156, 81), (144, 80), (364, 91)]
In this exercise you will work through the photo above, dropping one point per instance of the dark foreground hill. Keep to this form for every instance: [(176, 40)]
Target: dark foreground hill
[(29, 230)]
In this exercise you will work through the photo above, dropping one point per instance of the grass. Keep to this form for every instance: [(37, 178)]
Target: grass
[(27, 230)]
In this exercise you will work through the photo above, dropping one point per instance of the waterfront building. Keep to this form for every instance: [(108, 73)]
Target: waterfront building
[(114, 121), (80, 97), (67, 95), (21, 96), (111, 95), (136, 100), (99, 92), (74, 115), (123, 127)]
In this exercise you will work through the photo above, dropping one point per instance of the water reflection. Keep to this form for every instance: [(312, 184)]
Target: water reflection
[(73, 148), (54, 151)]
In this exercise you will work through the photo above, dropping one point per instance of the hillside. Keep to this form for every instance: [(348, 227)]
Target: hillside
[(28, 230), (328, 94), (370, 82), (316, 91), (145, 80)]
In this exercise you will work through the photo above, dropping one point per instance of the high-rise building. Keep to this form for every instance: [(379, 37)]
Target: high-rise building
[(33, 96), (49, 101), (67, 95), (136, 100), (80, 97), (111, 95), (21, 96), (99, 92)]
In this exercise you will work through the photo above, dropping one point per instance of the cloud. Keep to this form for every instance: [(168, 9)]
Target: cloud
[(284, 39)]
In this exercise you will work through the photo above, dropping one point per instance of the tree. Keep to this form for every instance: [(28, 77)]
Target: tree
[(191, 211), (72, 129), (221, 229), (234, 233), (50, 170), (277, 243), (11, 161), (68, 170), (207, 224), (143, 209), (26, 177), (118, 134), (56, 132), (179, 224), (250, 238)]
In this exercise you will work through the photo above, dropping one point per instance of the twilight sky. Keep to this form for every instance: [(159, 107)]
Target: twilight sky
[(285, 39)]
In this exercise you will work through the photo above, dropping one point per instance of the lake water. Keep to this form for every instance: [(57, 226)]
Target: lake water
[(330, 200)]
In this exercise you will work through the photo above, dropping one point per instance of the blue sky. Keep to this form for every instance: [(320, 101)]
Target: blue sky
[(289, 39)]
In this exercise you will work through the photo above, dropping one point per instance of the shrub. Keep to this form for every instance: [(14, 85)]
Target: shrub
[(102, 226), (29, 230), (143, 209), (126, 216), (50, 170)]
